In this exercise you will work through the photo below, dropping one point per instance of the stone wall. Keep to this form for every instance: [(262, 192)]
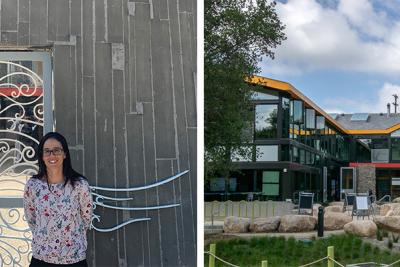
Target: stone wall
[(366, 179)]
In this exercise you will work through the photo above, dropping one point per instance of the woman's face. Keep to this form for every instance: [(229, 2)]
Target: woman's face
[(53, 154)]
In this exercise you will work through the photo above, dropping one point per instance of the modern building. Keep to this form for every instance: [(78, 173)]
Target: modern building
[(297, 146)]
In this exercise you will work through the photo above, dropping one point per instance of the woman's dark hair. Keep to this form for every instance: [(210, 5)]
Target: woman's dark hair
[(69, 173)]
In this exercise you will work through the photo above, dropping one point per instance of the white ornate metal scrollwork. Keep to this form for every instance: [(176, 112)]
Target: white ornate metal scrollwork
[(99, 201), (21, 125)]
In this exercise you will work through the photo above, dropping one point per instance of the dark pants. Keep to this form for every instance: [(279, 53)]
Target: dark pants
[(39, 263)]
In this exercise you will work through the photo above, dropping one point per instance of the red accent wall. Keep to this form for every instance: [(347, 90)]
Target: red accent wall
[(377, 165)]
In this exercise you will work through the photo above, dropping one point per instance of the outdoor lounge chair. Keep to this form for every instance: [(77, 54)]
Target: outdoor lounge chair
[(361, 207), (306, 202), (349, 199)]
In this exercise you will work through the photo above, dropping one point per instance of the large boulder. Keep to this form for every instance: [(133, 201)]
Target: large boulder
[(335, 220), (297, 223), (333, 209), (391, 223), (315, 209), (264, 225), (361, 228), (234, 224), (336, 203), (390, 209), (396, 200)]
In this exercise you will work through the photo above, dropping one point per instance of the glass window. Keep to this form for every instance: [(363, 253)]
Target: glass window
[(310, 119), (297, 111), (265, 96), (396, 149), (296, 156), (270, 185), (267, 153), (302, 156), (266, 120), (380, 155), (395, 134), (285, 117), (320, 122)]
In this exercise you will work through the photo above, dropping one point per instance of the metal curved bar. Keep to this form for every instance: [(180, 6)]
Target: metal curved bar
[(105, 230), (22, 134), (98, 196), (140, 187), (22, 120), (138, 208)]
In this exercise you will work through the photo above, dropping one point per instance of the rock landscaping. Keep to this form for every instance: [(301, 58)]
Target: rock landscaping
[(361, 228), (234, 224), (265, 225), (335, 220), (297, 223)]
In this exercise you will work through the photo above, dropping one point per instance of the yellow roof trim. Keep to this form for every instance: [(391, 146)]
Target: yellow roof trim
[(287, 87)]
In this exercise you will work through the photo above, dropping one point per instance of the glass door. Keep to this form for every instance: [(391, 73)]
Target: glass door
[(347, 181)]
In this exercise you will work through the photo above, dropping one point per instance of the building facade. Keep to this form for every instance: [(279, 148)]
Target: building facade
[(299, 147), (119, 83)]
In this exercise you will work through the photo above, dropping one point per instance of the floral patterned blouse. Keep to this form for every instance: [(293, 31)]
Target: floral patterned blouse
[(58, 217)]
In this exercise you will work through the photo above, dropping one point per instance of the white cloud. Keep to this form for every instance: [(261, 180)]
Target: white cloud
[(377, 105), (385, 95), (354, 36)]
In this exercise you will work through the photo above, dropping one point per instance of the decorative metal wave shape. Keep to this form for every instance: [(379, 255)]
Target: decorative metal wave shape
[(21, 116), (99, 200)]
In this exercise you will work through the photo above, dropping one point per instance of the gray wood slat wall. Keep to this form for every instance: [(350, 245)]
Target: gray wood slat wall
[(124, 97)]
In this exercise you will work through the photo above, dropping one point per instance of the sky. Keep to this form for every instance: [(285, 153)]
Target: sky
[(342, 54)]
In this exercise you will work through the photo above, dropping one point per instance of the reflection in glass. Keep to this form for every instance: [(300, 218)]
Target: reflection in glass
[(395, 149), (267, 153), (297, 111), (264, 96), (310, 119), (266, 120)]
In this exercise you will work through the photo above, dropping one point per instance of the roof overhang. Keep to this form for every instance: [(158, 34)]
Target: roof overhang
[(287, 87)]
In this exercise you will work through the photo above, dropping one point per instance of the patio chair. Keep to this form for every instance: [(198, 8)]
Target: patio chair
[(306, 202), (349, 199), (361, 207)]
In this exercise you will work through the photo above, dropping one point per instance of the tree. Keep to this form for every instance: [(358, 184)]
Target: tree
[(237, 33)]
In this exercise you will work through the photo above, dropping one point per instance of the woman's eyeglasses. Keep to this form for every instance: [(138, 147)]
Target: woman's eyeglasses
[(56, 152)]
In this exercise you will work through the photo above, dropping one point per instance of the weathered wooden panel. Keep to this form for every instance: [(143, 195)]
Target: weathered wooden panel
[(188, 70), (23, 11), (58, 20), (137, 177), (162, 84), (87, 38), (23, 33), (168, 220), (38, 22), (105, 150), (76, 17), (100, 21), (8, 15), (154, 257), (160, 9), (141, 46), (114, 21), (64, 93)]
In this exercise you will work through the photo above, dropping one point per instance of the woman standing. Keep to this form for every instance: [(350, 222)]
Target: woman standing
[(58, 207)]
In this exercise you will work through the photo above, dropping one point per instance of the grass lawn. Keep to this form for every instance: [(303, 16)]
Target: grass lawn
[(291, 252)]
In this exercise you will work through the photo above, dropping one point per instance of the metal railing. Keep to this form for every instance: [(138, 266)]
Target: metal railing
[(250, 209), (389, 197)]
